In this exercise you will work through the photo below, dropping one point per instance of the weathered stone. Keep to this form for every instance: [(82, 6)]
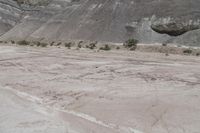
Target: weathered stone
[(174, 28), (102, 20)]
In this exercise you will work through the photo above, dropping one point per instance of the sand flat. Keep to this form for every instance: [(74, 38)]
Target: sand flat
[(83, 91)]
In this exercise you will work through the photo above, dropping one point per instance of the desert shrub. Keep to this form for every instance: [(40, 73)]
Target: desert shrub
[(20, 1), (198, 54), (33, 2), (68, 45), (23, 42), (133, 48), (43, 44), (187, 51), (106, 48), (117, 47), (131, 44), (91, 45), (79, 45), (80, 42), (13, 42), (58, 44), (164, 44), (1, 41), (52, 43), (166, 54), (32, 44), (37, 43)]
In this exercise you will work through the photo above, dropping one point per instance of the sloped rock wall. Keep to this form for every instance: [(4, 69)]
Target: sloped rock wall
[(109, 20)]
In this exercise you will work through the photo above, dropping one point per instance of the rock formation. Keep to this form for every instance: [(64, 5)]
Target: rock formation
[(174, 28), (149, 21)]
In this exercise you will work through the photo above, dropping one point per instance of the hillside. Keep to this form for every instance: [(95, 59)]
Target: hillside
[(106, 20)]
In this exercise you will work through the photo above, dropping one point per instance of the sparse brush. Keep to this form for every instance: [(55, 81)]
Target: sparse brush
[(131, 44), (80, 42), (37, 43), (43, 44), (33, 2), (105, 48), (68, 45), (58, 44), (13, 42), (164, 44), (79, 46), (23, 42), (133, 48), (32, 44), (187, 51), (117, 47), (92, 45), (52, 43), (166, 54)]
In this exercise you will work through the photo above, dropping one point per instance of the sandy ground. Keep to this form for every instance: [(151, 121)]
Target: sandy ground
[(50, 90)]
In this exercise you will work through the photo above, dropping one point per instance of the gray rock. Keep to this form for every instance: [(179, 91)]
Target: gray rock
[(102, 20), (174, 28)]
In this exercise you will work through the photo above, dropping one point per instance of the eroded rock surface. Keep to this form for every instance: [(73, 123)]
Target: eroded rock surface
[(103, 20), (173, 27)]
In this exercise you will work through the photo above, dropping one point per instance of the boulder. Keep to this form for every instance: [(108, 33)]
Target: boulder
[(174, 28)]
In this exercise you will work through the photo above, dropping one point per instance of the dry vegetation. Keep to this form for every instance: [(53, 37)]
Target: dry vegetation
[(33, 2), (130, 45)]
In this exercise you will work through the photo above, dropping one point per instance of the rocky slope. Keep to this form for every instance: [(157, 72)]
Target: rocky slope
[(9, 15), (104, 20)]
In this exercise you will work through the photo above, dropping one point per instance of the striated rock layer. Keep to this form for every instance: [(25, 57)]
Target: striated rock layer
[(149, 21)]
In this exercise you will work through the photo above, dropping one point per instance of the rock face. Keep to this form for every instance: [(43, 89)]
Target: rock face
[(174, 28), (148, 21), (9, 15)]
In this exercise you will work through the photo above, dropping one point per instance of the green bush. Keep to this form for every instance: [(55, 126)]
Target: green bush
[(23, 42), (131, 44), (106, 48)]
